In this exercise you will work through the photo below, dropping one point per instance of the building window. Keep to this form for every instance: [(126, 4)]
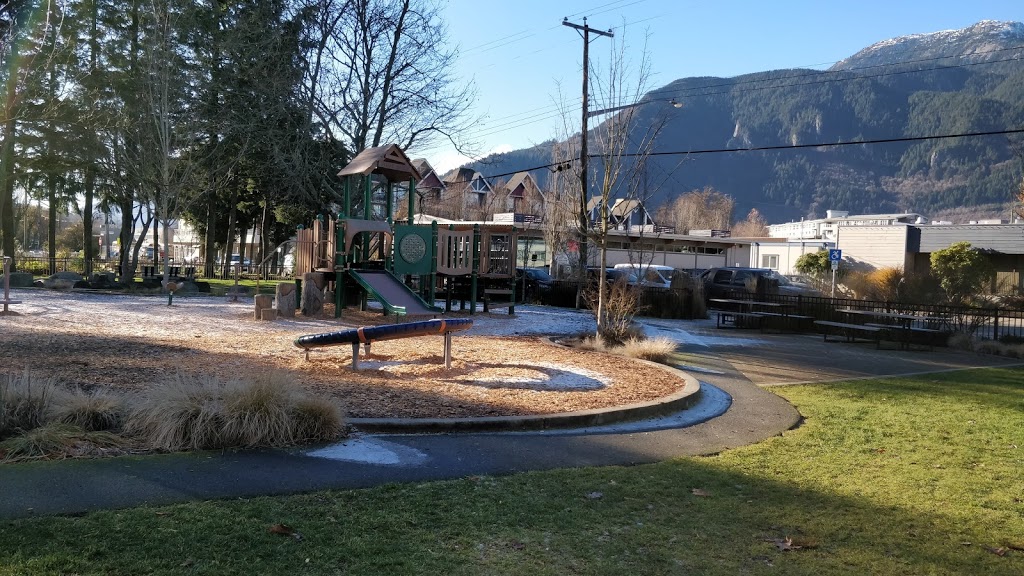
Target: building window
[(770, 261)]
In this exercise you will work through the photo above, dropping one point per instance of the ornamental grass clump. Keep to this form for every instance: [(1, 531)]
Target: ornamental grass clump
[(91, 411), (316, 419), (657, 349), (188, 413), (258, 412), (25, 401), (58, 440), (180, 414)]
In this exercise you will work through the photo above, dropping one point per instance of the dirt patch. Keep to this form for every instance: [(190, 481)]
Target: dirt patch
[(128, 344)]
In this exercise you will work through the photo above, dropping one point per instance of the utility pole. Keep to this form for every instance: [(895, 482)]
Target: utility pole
[(584, 219)]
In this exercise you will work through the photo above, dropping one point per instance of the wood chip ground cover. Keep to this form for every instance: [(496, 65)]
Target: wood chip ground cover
[(129, 343)]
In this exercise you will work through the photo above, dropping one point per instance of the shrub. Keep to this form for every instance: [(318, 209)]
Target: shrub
[(91, 411), (25, 401), (621, 304), (960, 341), (654, 349)]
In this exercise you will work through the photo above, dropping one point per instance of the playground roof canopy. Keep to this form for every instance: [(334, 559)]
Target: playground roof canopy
[(388, 161)]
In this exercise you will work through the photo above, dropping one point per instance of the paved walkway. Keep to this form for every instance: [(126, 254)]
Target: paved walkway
[(736, 409)]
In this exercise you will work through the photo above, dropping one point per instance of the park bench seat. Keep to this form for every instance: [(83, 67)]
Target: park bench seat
[(490, 302), (738, 319), (851, 331)]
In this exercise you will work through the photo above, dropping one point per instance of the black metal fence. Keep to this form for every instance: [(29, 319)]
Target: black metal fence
[(44, 266), (994, 323), (677, 303)]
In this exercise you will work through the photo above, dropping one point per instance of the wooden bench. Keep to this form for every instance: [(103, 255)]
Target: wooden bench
[(729, 318), (489, 302), (849, 330)]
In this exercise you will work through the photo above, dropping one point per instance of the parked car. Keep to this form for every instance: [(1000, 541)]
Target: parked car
[(536, 285), (611, 276), (653, 275), (726, 282)]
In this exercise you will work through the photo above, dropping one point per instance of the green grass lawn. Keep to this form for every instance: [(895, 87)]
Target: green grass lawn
[(903, 476)]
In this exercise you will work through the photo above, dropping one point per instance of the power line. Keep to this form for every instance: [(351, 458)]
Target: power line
[(828, 144), (780, 147), (549, 112)]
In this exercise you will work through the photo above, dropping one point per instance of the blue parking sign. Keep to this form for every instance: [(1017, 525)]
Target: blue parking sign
[(835, 255)]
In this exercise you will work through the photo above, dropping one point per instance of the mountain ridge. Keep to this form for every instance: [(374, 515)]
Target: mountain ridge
[(896, 88)]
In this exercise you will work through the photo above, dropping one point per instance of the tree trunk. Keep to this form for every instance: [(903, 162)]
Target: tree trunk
[(210, 250), (7, 186), (90, 190), (51, 232), (229, 241), (124, 240)]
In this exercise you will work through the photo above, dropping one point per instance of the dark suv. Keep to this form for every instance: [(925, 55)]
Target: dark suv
[(731, 281), (537, 283)]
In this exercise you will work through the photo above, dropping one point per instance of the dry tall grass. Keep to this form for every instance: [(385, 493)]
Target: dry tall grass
[(205, 413), (25, 401), (657, 349), (57, 440), (91, 411)]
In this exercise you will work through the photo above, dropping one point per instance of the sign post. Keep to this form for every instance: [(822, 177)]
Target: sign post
[(834, 256)]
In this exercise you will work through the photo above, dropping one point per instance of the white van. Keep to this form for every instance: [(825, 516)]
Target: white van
[(653, 275)]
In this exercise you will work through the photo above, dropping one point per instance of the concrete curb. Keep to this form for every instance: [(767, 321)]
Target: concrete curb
[(688, 396)]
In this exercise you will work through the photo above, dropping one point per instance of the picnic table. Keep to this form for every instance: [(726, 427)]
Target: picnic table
[(740, 313), (901, 326)]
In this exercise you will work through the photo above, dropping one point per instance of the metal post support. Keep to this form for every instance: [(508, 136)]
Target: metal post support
[(412, 201), (391, 202), (355, 355), (346, 206), (339, 266), (476, 269), (512, 249), (447, 350), (367, 214), (433, 260)]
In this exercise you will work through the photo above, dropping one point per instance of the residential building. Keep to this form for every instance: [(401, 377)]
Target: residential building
[(827, 228)]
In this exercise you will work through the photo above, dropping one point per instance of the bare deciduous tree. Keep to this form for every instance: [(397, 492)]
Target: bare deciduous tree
[(755, 226), (622, 146), (706, 209), (385, 74)]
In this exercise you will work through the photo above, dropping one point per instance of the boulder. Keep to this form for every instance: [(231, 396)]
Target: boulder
[(312, 296), (72, 276), (19, 280), (285, 300), (58, 283)]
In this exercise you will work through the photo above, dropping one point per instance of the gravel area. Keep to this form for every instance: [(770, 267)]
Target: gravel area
[(503, 365)]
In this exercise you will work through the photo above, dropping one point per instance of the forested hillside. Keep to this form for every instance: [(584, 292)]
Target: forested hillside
[(954, 82)]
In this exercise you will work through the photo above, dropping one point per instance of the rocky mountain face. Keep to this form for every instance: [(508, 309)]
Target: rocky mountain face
[(944, 83)]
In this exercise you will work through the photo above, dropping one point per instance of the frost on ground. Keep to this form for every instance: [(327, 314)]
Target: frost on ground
[(500, 367)]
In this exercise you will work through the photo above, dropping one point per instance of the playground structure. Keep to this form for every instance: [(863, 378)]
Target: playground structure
[(7, 286), (400, 265), (368, 334)]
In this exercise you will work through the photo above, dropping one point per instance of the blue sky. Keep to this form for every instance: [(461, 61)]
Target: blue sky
[(518, 53)]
